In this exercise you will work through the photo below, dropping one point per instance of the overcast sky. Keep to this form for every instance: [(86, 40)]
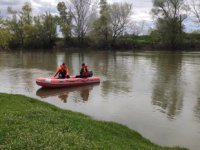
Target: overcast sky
[(141, 8)]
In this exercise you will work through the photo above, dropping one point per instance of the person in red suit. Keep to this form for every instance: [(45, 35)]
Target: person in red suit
[(62, 72), (84, 71)]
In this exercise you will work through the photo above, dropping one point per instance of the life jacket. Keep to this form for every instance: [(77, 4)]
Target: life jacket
[(62, 69), (84, 71), (63, 72)]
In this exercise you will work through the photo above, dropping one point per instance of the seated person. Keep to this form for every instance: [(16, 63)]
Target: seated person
[(62, 72), (84, 73)]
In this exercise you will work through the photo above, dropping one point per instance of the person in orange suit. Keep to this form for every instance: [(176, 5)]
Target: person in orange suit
[(62, 72)]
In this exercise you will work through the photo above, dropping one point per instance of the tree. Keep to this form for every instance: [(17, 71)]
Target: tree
[(19, 23), (81, 11), (25, 14), (64, 20), (170, 16), (25, 23), (49, 29), (104, 20), (15, 28), (195, 8), (41, 34), (119, 17), (28, 34), (101, 29), (5, 36)]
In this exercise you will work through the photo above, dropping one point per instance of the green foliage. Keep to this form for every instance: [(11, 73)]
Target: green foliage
[(5, 38), (171, 32), (25, 13), (111, 23), (16, 31), (155, 36), (64, 20), (32, 32), (146, 39), (23, 30), (192, 40), (125, 42), (135, 42), (30, 124), (101, 33), (170, 16), (102, 25), (32, 37), (49, 33)]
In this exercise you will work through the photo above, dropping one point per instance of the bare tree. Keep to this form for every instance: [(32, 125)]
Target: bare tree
[(195, 9), (81, 11), (119, 17)]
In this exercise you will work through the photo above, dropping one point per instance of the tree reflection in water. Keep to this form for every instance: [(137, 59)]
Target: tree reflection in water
[(197, 110), (167, 91)]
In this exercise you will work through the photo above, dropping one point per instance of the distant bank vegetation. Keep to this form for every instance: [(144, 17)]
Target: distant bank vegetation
[(79, 24)]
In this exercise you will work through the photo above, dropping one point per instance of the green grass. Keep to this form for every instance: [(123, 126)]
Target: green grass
[(26, 123)]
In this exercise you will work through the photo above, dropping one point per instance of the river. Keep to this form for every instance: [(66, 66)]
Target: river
[(154, 93)]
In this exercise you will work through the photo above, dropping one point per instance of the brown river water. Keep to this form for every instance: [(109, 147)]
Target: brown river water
[(154, 93)]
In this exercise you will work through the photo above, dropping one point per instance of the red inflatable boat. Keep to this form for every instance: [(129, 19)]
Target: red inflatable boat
[(67, 82)]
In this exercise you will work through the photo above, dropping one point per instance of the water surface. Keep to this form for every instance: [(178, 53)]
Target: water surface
[(154, 93)]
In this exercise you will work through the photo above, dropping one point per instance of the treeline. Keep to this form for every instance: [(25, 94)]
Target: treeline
[(97, 24)]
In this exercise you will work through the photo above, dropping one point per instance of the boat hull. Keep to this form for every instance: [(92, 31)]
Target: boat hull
[(67, 82)]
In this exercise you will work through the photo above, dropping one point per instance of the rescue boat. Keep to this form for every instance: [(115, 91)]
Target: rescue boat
[(67, 82)]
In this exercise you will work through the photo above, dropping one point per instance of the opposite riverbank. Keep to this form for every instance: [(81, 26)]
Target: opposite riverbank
[(27, 123)]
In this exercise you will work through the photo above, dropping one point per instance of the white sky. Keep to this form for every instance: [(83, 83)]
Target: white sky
[(141, 8)]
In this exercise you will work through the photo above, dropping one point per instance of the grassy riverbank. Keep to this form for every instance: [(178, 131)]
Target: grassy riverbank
[(26, 123)]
